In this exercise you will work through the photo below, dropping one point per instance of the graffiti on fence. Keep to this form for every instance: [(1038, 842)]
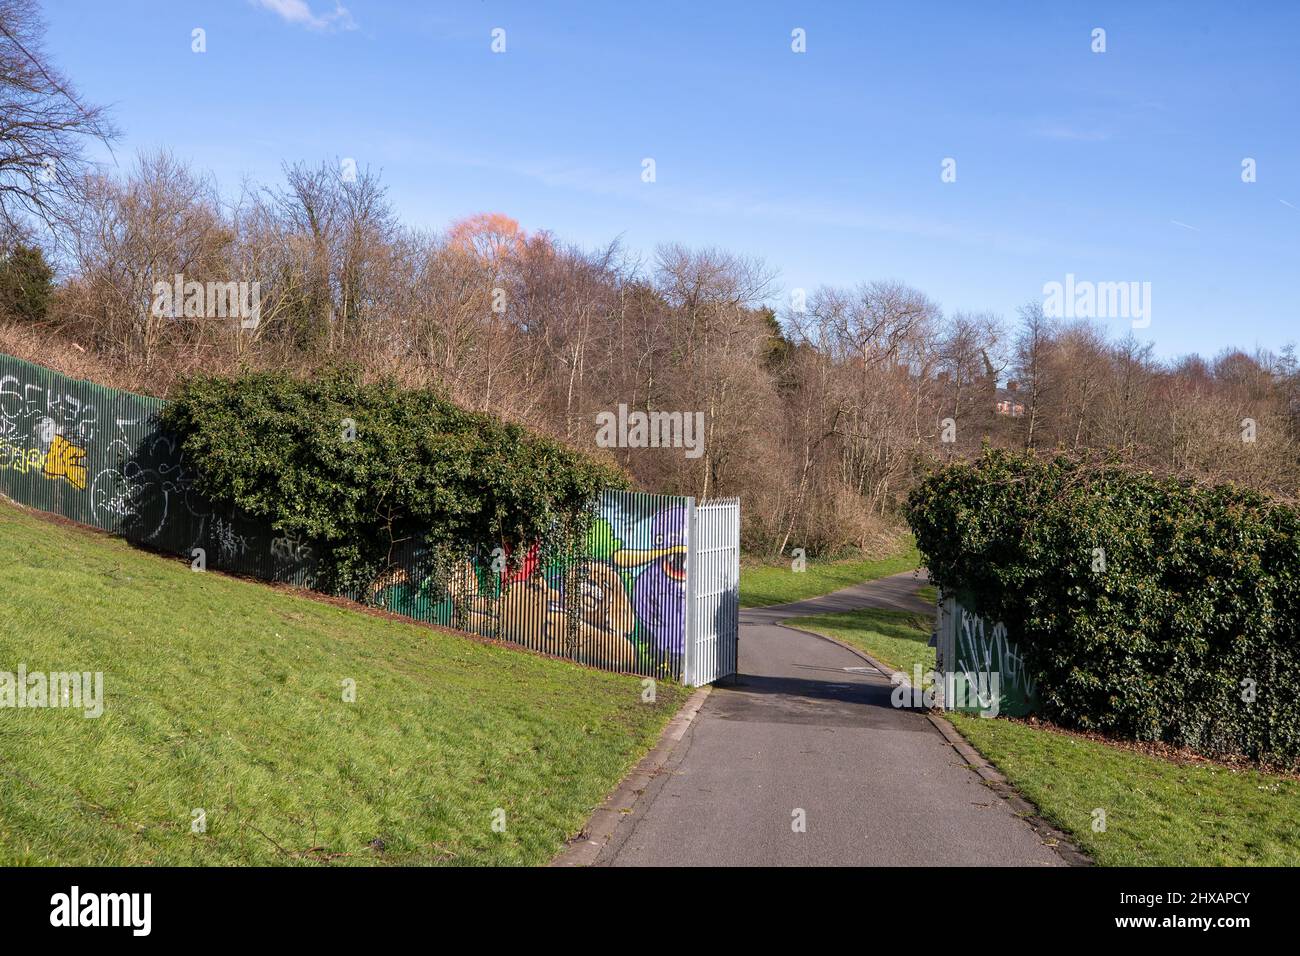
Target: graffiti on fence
[(60, 459), (22, 460), (36, 409), (983, 649), (48, 430), (66, 460), (618, 602), (96, 455), (659, 564), (35, 425)]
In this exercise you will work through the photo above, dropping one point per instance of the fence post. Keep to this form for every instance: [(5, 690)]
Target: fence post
[(689, 663), (945, 649)]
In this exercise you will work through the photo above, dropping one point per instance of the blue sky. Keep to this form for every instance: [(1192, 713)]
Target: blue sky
[(1119, 166)]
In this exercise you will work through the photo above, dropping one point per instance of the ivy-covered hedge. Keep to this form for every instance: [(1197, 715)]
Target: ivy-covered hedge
[(1145, 606), (362, 470)]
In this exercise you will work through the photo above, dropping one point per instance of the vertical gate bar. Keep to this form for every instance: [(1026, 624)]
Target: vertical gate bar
[(692, 585)]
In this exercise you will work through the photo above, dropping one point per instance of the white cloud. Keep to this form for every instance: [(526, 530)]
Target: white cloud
[(299, 12)]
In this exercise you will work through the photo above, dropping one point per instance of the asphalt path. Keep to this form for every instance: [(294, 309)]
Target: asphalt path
[(804, 760)]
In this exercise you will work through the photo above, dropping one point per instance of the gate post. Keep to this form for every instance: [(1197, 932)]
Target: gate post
[(689, 663)]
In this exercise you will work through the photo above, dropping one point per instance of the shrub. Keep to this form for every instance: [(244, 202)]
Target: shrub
[(26, 283), (362, 471), (1147, 607)]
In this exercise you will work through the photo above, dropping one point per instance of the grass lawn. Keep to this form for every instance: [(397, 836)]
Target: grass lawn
[(762, 584), (1158, 812), (227, 697), (897, 639)]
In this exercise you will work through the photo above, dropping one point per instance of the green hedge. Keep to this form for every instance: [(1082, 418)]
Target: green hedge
[(1145, 606), (363, 470)]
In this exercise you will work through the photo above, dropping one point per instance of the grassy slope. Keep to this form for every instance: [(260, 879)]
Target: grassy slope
[(1158, 813), (226, 695), (764, 584)]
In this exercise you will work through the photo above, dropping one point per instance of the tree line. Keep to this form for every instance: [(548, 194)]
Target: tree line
[(821, 409)]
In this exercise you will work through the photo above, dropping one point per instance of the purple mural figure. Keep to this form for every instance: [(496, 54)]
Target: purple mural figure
[(659, 595)]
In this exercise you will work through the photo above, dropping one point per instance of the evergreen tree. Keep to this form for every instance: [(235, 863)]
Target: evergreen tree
[(26, 283)]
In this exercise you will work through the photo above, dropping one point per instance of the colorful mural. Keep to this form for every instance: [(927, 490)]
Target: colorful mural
[(620, 603), (97, 456)]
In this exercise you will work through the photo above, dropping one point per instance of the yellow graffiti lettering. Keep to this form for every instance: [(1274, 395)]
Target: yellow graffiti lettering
[(66, 460), (21, 460)]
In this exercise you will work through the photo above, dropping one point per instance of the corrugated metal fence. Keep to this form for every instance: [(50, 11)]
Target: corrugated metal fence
[(978, 667), (96, 455)]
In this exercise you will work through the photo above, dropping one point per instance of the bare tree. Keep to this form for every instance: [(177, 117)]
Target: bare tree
[(716, 336), (44, 126), (969, 363), (160, 221), (1032, 347)]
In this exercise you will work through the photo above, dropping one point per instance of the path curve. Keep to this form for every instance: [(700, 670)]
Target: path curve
[(807, 726)]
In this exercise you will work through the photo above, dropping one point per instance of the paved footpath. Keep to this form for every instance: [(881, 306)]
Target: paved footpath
[(808, 725)]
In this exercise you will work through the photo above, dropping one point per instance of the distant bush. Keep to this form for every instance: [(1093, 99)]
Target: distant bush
[(1147, 607), (363, 470)]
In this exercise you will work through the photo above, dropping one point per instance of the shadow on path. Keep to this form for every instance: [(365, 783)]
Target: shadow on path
[(808, 732)]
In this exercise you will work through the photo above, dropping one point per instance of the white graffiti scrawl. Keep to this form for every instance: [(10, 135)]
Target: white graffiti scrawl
[(982, 649)]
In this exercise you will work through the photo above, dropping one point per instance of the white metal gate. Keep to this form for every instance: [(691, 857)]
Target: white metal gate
[(713, 591)]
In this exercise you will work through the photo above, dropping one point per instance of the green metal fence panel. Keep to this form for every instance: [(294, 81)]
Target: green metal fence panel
[(97, 455), (980, 669)]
